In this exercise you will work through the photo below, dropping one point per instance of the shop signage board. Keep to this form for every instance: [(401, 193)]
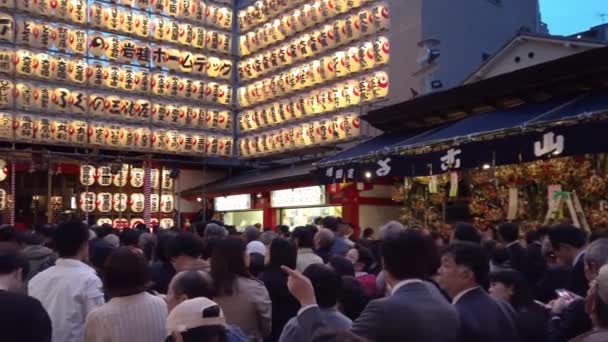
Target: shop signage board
[(232, 203), (298, 197)]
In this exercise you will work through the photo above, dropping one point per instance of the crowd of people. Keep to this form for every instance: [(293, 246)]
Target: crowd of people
[(74, 283)]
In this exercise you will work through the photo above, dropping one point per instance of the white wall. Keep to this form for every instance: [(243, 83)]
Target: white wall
[(375, 216)]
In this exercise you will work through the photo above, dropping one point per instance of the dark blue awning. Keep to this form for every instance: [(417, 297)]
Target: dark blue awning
[(582, 106)]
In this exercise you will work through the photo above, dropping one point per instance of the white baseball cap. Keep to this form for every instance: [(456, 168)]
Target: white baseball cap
[(256, 247), (194, 313)]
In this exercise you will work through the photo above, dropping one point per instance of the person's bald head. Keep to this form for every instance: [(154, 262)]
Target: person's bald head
[(188, 285), (324, 238)]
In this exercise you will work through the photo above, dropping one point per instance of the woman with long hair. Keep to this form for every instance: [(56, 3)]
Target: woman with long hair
[(284, 306), (244, 300)]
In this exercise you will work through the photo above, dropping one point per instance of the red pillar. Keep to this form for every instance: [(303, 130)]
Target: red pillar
[(263, 203)]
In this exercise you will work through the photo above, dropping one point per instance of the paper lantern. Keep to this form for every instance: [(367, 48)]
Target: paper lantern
[(60, 67), (96, 15), (173, 59), (60, 100), (159, 25), (119, 202), (24, 127), (185, 34), (159, 84), (98, 133), (25, 31), (78, 132), (112, 76), (127, 51), (24, 63), (104, 202), (381, 17), (126, 22), (6, 126), (166, 203), (114, 137), (381, 48), (160, 140), (87, 174), (352, 125), (212, 145), (341, 63), (88, 202), (76, 41), (224, 18), (199, 34), (244, 47), (42, 65), (328, 68), (242, 97), (244, 151), (98, 44), (380, 84), (367, 56), (166, 223), (104, 220), (141, 21), (311, 104), (142, 80), (24, 96), (42, 129), (199, 144), (110, 17), (143, 138), (136, 177), (136, 201), (172, 8), (77, 11), (366, 88), (7, 28), (225, 146), (187, 143)]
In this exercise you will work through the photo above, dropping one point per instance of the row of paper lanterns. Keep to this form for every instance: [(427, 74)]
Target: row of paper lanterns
[(125, 20), (339, 95), (339, 65), (46, 98), (340, 31), (124, 223), (367, 55), (126, 175), (58, 131), (340, 127), (264, 10), (43, 35), (105, 202), (110, 76)]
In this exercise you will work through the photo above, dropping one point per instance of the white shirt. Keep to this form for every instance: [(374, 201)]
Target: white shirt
[(462, 293), (140, 317), (68, 291)]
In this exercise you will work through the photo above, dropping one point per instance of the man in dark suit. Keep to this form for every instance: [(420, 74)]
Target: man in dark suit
[(508, 234), (568, 243), (538, 264), (464, 267), (415, 311)]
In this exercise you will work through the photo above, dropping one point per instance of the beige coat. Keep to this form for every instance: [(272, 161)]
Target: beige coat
[(249, 308)]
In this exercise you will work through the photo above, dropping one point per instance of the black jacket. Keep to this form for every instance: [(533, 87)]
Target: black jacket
[(519, 259), (537, 264), (532, 323), (483, 319), (577, 281), (284, 305), (554, 278)]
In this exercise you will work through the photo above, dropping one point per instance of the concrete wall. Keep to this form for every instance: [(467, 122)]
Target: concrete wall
[(189, 179), (468, 29)]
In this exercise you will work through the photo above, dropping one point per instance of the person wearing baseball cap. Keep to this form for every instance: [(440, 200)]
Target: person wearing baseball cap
[(199, 319)]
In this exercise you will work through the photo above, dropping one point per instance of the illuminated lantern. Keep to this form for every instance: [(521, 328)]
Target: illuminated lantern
[(352, 125), (242, 97), (159, 140), (381, 48), (226, 144), (99, 133), (308, 134), (97, 104), (127, 51), (213, 67), (126, 23), (134, 222), (341, 63), (136, 177), (212, 146), (136, 201), (76, 41), (381, 17), (224, 18), (6, 129), (185, 34), (78, 132), (244, 46), (112, 76), (159, 83), (141, 21), (110, 18), (172, 59), (87, 175), (43, 36), (354, 60), (380, 84), (42, 129), (96, 15), (42, 65), (103, 220), (299, 105), (366, 56), (98, 44), (141, 81), (143, 138), (26, 31), (60, 99), (159, 25), (104, 202), (88, 202), (244, 151), (367, 93), (24, 127), (24, 96), (166, 204), (60, 131), (24, 63), (77, 11), (166, 223), (173, 144), (286, 26)]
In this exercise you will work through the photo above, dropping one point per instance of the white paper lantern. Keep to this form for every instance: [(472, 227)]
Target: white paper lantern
[(78, 132), (136, 202), (88, 202), (6, 126), (104, 202), (120, 179), (104, 220), (87, 174), (136, 177), (119, 202)]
